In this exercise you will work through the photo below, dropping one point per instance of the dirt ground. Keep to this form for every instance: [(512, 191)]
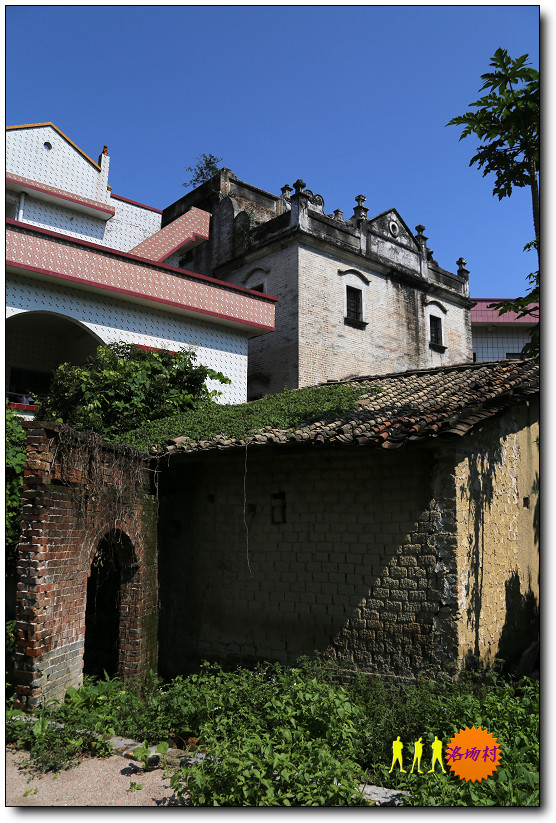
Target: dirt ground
[(94, 782)]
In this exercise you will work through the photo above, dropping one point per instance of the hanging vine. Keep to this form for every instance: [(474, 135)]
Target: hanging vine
[(103, 476)]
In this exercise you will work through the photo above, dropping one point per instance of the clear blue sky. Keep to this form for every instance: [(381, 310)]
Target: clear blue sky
[(352, 99)]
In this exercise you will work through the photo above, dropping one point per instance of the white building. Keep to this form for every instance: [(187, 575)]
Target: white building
[(86, 266)]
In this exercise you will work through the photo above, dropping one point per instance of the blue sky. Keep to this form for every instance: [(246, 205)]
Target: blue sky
[(352, 99)]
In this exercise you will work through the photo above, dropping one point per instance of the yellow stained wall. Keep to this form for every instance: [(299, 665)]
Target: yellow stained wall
[(496, 476)]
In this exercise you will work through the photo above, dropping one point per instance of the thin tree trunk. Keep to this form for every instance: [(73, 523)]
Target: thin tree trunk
[(535, 198)]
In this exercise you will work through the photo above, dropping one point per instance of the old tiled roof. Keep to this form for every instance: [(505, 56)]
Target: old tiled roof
[(411, 406)]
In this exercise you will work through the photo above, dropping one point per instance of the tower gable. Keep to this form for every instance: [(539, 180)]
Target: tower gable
[(390, 226)]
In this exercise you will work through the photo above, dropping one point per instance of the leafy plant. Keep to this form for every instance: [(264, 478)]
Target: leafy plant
[(143, 753), (506, 121), (302, 736), (288, 410), (267, 769), (122, 386), (135, 787), (15, 461)]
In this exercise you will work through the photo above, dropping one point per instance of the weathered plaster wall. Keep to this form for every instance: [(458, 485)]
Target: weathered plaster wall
[(340, 555), (273, 364), (70, 503), (496, 474), (396, 337)]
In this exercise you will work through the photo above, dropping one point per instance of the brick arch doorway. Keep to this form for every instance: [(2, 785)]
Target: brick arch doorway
[(107, 611)]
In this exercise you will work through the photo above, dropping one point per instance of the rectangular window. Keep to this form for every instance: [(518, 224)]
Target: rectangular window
[(436, 330), (512, 355), (354, 303)]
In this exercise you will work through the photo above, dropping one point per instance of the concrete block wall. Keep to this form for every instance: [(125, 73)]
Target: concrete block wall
[(312, 343), (62, 525), (333, 551)]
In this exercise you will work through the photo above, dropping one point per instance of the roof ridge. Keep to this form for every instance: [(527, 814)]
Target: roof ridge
[(417, 410), (456, 367)]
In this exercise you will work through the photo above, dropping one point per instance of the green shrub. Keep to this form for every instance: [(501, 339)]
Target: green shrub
[(122, 386), (16, 441), (270, 769), (53, 747), (275, 735)]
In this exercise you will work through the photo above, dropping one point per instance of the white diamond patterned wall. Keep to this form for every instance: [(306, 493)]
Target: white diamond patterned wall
[(57, 218), (111, 320), (66, 168), (130, 225), (61, 166)]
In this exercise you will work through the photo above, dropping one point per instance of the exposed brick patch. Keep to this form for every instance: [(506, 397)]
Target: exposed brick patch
[(64, 519)]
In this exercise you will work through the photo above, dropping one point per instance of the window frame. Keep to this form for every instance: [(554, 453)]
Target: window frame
[(436, 337), (357, 319)]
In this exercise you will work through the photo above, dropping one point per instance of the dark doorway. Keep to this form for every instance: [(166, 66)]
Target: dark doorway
[(112, 567)]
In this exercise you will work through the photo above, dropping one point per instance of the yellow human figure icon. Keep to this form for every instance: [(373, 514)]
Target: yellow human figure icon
[(397, 747), (437, 754), (417, 756)]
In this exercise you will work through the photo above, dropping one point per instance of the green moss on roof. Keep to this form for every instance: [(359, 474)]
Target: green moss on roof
[(289, 410)]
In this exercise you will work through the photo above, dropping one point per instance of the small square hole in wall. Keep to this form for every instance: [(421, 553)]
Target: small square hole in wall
[(278, 506), (526, 502)]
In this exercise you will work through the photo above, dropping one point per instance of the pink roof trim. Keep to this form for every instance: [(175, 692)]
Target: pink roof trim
[(134, 203), (187, 228), (141, 295), (481, 313), (55, 192), (191, 275)]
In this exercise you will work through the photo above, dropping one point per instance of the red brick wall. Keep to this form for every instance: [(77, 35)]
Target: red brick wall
[(76, 491)]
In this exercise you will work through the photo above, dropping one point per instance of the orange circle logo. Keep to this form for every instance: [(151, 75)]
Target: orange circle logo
[(473, 754)]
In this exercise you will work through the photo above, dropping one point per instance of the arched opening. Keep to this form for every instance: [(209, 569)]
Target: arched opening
[(112, 569), (37, 343)]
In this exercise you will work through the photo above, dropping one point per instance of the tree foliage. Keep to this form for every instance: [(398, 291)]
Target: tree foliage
[(121, 387), (204, 170), (506, 121)]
